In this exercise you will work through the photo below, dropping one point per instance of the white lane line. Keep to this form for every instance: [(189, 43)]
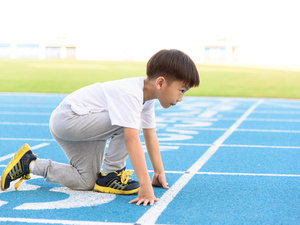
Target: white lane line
[(173, 144), (284, 105), (231, 145), (193, 129), (233, 174), (155, 211), (262, 146), (25, 113), (188, 119), (274, 112), (52, 221), (242, 130), (273, 120), (206, 118), (30, 105), (249, 174), (24, 124), (32, 148), (268, 131), (25, 139)]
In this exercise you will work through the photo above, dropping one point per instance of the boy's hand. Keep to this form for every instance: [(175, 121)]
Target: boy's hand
[(159, 180), (145, 196)]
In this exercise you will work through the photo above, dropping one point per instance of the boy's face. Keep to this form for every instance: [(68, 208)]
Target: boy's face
[(171, 94)]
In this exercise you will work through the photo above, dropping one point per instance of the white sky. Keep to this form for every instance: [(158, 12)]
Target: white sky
[(265, 31)]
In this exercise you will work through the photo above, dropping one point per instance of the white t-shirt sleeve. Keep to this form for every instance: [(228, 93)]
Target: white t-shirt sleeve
[(148, 115)]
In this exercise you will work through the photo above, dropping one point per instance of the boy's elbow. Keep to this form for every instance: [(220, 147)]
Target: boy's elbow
[(131, 137)]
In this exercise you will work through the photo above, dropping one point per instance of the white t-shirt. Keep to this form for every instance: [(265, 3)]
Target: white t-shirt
[(122, 99)]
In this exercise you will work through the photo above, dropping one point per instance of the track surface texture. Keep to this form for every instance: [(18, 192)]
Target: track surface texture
[(227, 161)]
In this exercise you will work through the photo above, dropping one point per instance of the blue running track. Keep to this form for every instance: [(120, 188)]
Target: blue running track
[(227, 161)]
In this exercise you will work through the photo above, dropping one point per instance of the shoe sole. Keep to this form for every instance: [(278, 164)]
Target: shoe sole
[(19, 154), (115, 191)]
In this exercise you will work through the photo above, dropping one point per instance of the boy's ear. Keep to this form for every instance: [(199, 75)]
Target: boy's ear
[(159, 82)]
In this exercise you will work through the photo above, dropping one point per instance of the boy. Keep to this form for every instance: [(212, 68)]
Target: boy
[(117, 110)]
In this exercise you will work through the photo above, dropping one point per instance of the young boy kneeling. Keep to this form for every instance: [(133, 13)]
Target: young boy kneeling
[(116, 110)]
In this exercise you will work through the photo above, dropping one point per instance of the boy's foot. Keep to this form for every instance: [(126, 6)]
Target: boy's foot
[(117, 182), (18, 167)]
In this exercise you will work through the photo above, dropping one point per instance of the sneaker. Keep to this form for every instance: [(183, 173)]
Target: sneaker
[(117, 182), (18, 167)]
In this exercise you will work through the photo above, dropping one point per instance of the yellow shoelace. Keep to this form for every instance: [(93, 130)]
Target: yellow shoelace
[(25, 177), (125, 176)]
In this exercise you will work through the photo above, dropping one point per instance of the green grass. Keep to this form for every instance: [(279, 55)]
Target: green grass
[(65, 76)]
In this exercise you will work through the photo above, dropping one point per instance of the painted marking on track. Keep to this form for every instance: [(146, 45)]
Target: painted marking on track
[(263, 112), (250, 174), (34, 106), (284, 105), (25, 187), (269, 131), (76, 199), (155, 211), (273, 120), (193, 124), (185, 137), (262, 146), (25, 113), (173, 137), (203, 120), (32, 148), (208, 113), (246, 130), (25, 139), (182, 131), (275, 112), (233, 174), (24, 124), (229, 145), (184, 144), (162, 148), (51, 221)]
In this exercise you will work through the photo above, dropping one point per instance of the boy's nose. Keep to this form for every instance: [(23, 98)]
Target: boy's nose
[(179, 99)]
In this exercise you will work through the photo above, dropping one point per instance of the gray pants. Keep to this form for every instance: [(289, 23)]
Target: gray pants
[(83, 139)]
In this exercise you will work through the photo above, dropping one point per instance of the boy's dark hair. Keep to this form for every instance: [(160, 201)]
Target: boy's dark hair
[(173, 65)]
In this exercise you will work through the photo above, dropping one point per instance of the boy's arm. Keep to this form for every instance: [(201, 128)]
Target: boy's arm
[(152, 146), (137, 158)]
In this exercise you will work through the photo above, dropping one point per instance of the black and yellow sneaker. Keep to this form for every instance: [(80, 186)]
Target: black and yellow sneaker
[(117, 182), (18, 167)]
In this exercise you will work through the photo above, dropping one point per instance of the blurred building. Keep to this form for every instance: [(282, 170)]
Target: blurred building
[(215, 51), (60, 48), (232, 31)]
